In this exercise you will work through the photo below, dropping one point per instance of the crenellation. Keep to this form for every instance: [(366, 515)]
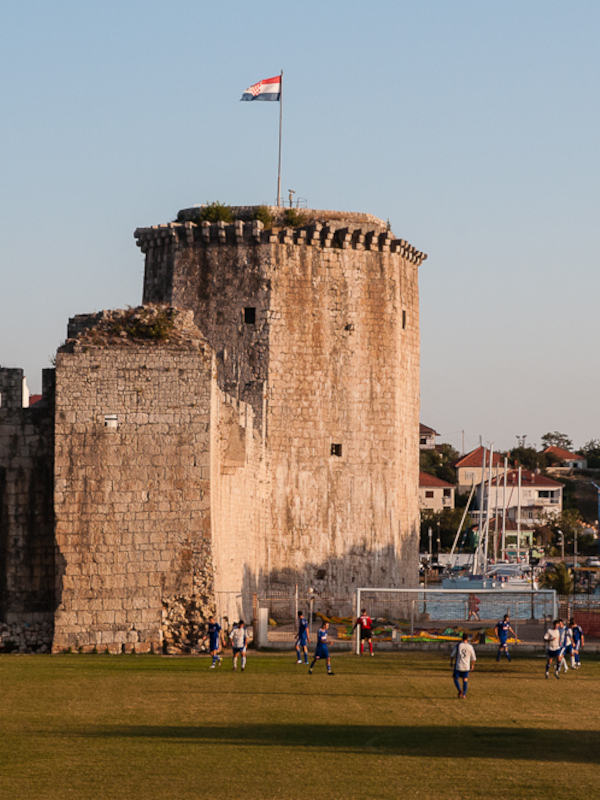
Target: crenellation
[(239, 233)]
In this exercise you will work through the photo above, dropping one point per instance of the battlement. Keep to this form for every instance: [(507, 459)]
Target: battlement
[(315, 234)]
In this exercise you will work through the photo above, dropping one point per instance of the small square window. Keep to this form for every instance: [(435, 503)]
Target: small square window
[(429, 493), (336, 449), (249, 315)]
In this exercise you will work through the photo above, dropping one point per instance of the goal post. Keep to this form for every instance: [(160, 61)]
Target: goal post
[(405, 609)]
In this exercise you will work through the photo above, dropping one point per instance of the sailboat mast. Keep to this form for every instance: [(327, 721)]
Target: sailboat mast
[(487, 514)]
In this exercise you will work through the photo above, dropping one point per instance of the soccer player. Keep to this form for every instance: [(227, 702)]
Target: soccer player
[(366, 631), (214, 639), (503, 628), (239, 642), (462, 660), (578, 643), (321, 650), (302, 639), (566, 646), (552, 637), (474, 603)]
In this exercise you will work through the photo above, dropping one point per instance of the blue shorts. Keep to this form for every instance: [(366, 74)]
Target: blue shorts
[(554, 653), (322, 651), (214, 644), (461, 673), (302, 641), (568, 649)]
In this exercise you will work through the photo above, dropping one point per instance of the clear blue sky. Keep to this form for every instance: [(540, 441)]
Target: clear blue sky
[(472, 126)]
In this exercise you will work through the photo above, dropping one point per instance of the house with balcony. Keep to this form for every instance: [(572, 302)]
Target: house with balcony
[(434, 493), (536, 498)]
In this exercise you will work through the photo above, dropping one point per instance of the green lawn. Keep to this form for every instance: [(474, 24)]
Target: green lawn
[(384, 727)]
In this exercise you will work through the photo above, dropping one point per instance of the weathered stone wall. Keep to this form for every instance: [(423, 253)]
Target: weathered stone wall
[(316, 330), (132, 494), (26, 516), (239, 486), (343, 371)]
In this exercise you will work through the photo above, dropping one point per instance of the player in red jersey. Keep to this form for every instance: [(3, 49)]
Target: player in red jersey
[(366, 630)]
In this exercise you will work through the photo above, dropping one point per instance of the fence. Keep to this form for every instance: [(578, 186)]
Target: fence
[(585, 610), (402, 615)]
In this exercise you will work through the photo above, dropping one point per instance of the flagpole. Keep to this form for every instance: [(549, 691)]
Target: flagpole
[(280, 121)]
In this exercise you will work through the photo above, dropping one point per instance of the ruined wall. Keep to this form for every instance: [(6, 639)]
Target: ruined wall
[(26, 516), (316, 329), (132, 485)]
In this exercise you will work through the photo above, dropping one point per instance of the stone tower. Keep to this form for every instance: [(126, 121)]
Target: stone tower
[(315, 334)]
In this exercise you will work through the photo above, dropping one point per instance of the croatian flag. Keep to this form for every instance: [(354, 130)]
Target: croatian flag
[(267, 89)]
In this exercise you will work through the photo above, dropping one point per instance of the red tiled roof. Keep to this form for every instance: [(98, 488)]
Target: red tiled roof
[(34, 398), (475, 459), (425, 479), (563, 455), (528, 478), (425, 429)]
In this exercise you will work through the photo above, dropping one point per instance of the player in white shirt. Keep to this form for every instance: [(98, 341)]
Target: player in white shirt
[(239, 642), (553, 638), (462, 660), (566, 646)]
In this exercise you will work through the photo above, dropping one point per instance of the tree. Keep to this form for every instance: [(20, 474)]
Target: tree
[(527, 457), (558, 577), (567, 525), (557, 439), (591, 451), (439, 462), (448, 521)]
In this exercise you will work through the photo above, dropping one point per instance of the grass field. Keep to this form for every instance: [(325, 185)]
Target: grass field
[(384, 727)]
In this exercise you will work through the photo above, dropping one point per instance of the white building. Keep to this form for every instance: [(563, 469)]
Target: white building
[(434, 493), (565, 458), (538, 496), (426, 437), (469, 468)]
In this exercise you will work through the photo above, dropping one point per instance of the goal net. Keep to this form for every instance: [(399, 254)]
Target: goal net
[(430, 614)]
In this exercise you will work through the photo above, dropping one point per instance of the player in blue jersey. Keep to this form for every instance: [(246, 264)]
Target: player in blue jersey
[(578, 642), (322, 650), (214, 642), (503, 628), (302, 639)]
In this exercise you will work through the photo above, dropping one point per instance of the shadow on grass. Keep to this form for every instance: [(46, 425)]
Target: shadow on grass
[(535, 744)]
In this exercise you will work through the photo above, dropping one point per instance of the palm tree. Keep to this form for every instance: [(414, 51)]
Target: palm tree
[(559, 578)]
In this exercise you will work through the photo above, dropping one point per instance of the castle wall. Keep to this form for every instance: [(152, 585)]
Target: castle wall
[(329, 355), (133, 501), (239, 485), (26, 516), (343, 372)]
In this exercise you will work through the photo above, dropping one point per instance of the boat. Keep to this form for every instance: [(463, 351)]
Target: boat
[(499, 576), (482, 574)]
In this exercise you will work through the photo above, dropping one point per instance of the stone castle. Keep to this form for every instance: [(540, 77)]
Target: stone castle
[(252, 426)]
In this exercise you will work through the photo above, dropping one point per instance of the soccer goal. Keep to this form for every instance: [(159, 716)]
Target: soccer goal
[(401, 613)]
